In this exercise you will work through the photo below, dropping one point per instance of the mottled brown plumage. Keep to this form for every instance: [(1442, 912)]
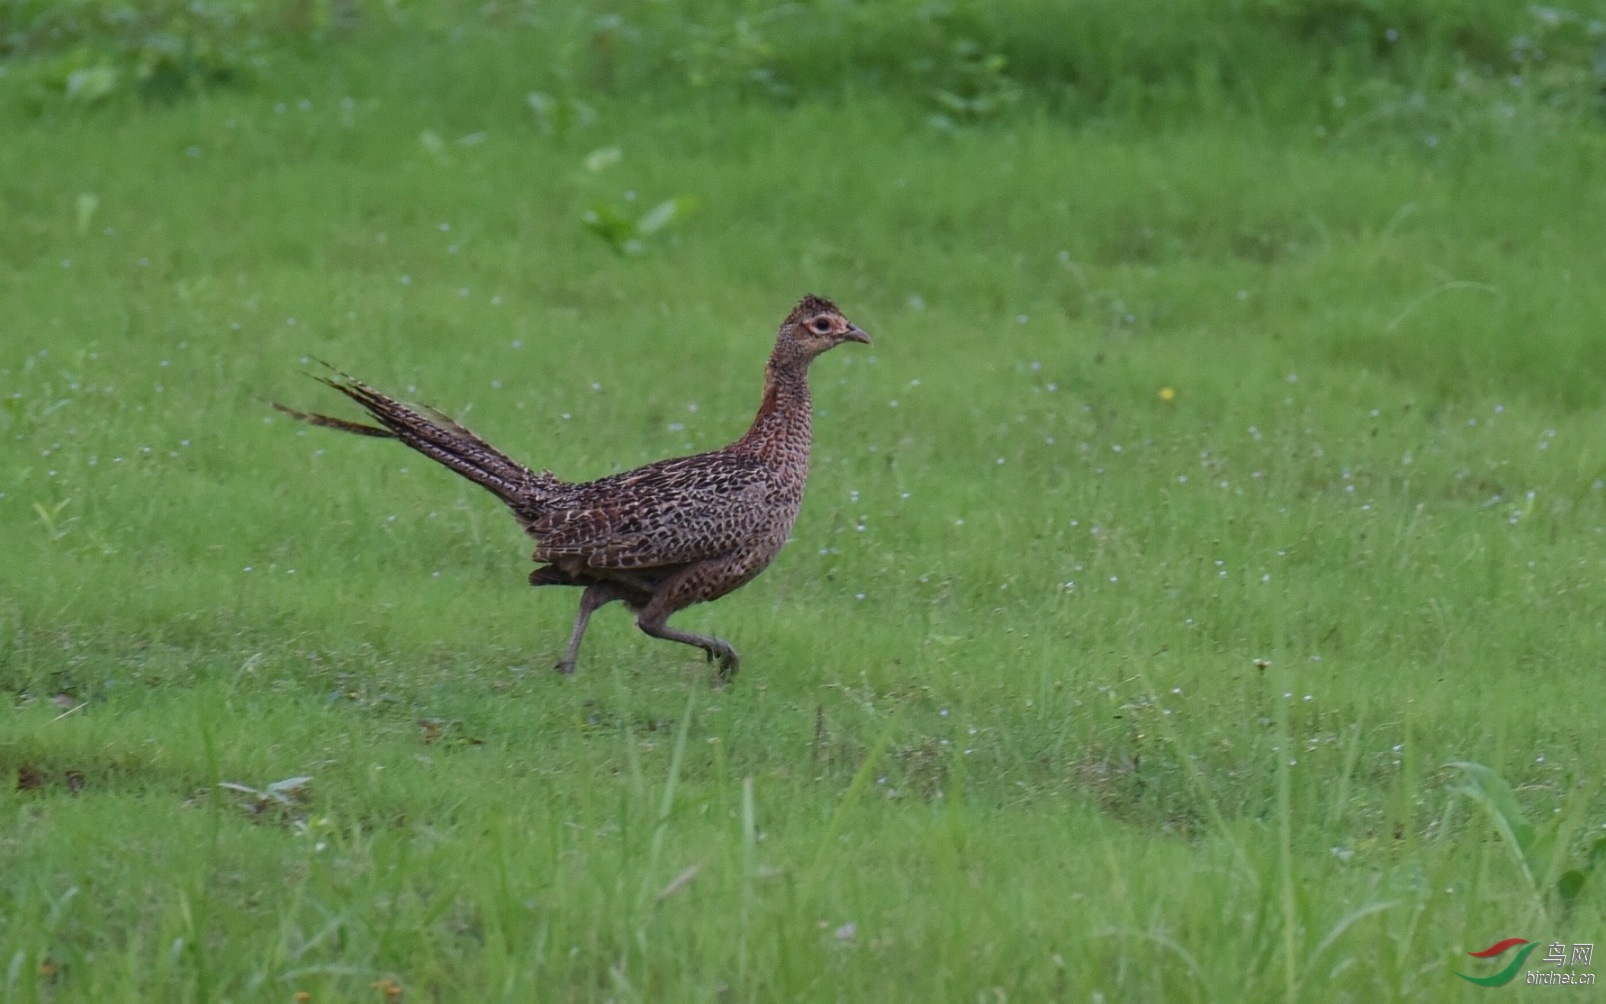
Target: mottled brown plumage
[(661, 537)]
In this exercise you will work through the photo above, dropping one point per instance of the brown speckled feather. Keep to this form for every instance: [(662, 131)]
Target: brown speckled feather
[(660, 537), (637, 519)]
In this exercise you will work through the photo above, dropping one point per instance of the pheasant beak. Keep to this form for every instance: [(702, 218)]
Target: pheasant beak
[(853, 334)]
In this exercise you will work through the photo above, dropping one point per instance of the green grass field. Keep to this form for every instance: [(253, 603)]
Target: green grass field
[(1226, 472)]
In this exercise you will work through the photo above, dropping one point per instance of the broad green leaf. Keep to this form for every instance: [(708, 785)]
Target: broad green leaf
[(665, 213), (1491, 791), (91, 84), (603, 158)]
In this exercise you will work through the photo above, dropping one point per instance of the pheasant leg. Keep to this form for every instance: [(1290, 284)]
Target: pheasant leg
[(652, 622), (596, 595)]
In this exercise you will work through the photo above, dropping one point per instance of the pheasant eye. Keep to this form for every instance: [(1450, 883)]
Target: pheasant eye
[(821, 325)]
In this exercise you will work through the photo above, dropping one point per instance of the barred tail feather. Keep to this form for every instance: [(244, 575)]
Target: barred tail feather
[(330, 422), (434, 435)]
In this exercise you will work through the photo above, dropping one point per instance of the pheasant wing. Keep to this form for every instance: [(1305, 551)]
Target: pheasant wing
[(670, 513)]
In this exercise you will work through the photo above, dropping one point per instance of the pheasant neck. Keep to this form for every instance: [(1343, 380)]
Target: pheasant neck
[(782, 428)]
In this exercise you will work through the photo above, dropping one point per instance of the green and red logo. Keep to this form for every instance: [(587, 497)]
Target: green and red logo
[(1495, 950)]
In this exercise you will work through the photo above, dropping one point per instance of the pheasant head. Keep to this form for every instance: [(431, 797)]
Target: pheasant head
[(814, 326)]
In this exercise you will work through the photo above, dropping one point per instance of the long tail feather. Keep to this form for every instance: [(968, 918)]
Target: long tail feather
[(330, 422), (435, 436)]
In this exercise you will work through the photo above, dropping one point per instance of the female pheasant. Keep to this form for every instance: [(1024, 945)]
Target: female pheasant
[(661, 537)]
